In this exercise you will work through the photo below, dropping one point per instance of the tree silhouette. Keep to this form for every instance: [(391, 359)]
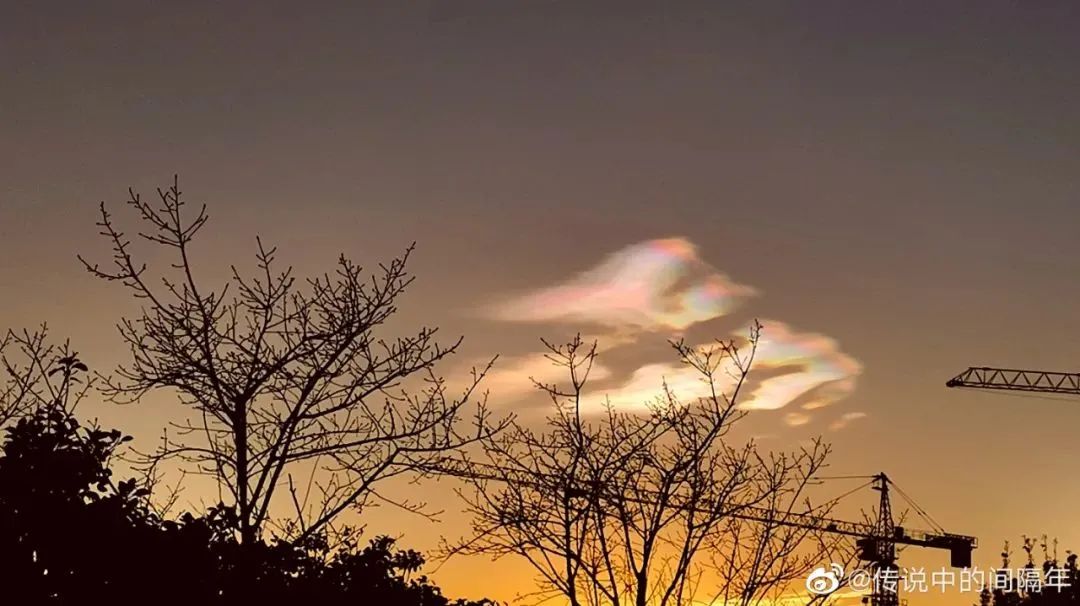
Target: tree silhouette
[(71, 534), (1051, 584), (35, 372), (621, 508), (59, 509), (287, 378)]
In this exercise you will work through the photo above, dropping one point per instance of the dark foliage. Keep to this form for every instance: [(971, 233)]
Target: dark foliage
[(70, 533), (1052, 584)]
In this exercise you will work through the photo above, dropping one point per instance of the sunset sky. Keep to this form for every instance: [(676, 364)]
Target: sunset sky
[(892, 188)]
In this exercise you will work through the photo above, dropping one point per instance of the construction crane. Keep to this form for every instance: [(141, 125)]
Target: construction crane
[(1008, 379), (876, 541)]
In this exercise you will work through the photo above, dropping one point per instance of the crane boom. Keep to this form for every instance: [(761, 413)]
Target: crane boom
[(959, 546), (1008, 379), (878, 541)]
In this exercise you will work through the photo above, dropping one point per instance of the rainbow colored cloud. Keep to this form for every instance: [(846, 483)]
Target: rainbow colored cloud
[(654, 285), (803, 368), (818, 373), (663, 286)]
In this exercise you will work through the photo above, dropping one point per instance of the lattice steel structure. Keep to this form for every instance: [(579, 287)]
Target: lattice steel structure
[(1008, 379)]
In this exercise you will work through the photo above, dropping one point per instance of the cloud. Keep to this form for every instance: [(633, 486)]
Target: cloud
[(662, 287), (795, 419), (513, 377), (815, 369), (805, 367), (654, 285), (845, 419), (645, 385)]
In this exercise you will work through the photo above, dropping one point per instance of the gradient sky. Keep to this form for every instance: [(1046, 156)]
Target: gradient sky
[(898, 182)]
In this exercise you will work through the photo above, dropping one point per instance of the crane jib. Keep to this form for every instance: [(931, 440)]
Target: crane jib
[(1011, 379)]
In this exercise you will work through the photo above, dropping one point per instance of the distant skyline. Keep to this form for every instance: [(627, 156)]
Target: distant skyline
[(894, 186)]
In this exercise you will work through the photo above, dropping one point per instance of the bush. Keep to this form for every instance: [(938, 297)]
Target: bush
[(70, 533)]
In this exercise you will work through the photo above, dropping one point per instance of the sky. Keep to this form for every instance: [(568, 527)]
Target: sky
[(892, 188)]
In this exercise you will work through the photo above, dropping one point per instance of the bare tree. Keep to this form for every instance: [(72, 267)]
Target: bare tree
[(38, 373), (294, 391), (623, 508)]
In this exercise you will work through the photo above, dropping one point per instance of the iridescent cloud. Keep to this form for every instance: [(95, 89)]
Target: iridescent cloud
[(645, 385), (654, 285), (663, 286), (817, 371), (798, 367)]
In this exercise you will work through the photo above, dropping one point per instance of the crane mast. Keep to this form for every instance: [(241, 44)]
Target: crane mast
[(884, 551)]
